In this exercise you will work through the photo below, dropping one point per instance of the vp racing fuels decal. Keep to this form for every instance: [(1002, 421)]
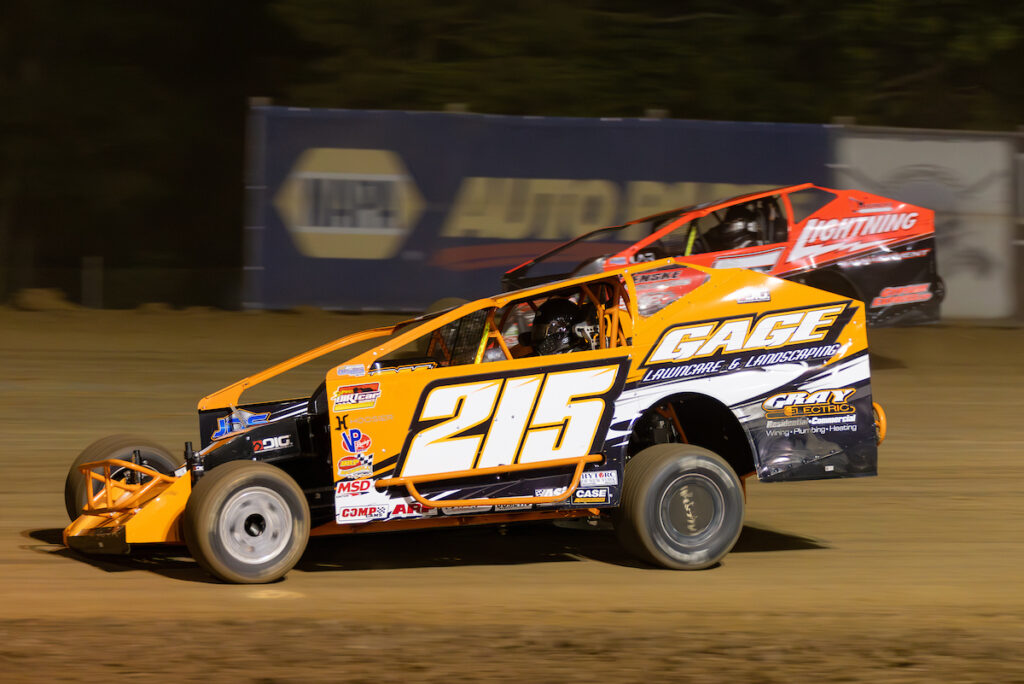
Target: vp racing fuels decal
[(525, 417), (744, 342)]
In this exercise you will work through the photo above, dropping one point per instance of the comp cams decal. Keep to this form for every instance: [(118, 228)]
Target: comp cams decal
[(745, 342), (529, 417)]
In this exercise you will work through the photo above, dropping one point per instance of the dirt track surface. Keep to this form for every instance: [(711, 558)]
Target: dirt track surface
[(914, 576)]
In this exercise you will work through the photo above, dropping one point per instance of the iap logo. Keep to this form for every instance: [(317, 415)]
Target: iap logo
[(349, 203)]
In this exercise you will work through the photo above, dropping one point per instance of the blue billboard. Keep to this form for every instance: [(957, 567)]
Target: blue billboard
[(387, 210)]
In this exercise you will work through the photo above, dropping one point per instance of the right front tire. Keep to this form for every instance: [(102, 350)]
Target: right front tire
[(246, 522), (78, 488), (681, 508)]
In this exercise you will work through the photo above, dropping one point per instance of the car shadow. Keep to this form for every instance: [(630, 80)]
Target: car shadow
[(879, 362), (519, 544), (168, 560)]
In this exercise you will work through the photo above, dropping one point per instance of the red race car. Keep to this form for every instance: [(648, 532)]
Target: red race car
[(852, 243)]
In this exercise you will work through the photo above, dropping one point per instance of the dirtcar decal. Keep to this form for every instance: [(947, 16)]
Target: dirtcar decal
[(355, 465), (820, 237), (907, 294), (733, 344), (354, 397), (237, 421), (820, 402), (272, 443), (599, 477), (530, 417)]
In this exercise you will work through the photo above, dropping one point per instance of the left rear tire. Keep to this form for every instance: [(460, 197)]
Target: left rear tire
[(681, 507)]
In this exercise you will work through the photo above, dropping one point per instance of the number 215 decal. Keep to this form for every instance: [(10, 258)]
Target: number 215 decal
[(524, 418)]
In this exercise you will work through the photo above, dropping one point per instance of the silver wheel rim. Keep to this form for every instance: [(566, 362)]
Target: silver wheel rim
[(714, 499), (255, 525)]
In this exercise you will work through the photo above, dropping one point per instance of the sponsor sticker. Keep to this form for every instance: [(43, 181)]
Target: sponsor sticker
[(402, 369), (239, 420), (821, 237), (356, 397), (464, 510), (271, 443), (746, 342), (826, 402), (906, 294), (355, 441), (356, 514), (549, 491), (411, 509), (354, 370), (504, 508), (753, 295), (347, 488), (595, 478), (592, 495), (353, 466)]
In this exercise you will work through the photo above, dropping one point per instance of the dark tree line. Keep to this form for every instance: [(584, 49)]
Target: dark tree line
[(121, 123)]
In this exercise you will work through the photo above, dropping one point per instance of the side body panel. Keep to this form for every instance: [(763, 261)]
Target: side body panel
[(428, 421), (792, 366)]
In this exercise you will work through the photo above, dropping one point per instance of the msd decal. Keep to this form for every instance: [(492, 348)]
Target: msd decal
[(823, 237), (352, 487)]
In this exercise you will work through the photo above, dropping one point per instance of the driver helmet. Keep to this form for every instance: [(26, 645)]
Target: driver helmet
[(739, 229), (553, 329)]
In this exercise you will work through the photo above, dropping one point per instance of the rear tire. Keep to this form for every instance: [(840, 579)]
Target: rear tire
[(76, 485), (681, 508), (246, 522)]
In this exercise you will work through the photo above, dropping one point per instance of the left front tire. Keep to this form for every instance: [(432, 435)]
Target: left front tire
[(246, 522)]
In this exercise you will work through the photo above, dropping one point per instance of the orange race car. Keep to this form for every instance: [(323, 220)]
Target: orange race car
[(646, 394), (852, 243)]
